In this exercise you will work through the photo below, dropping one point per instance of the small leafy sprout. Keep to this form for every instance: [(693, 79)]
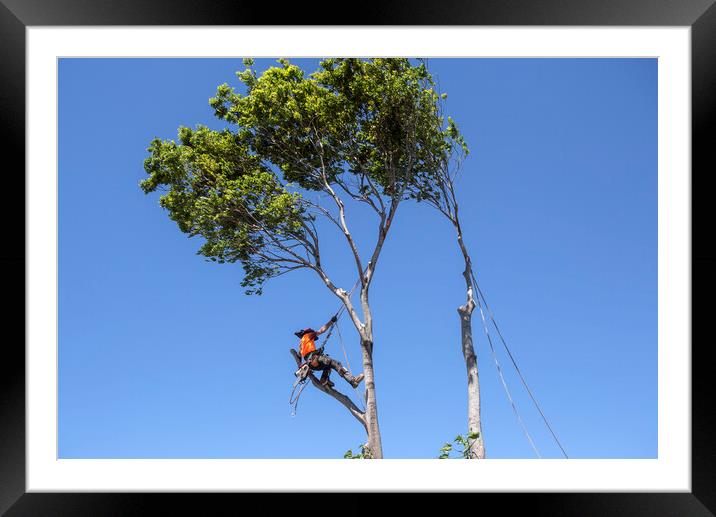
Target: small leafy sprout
[(445, 451), (465, 442), (364, 453)]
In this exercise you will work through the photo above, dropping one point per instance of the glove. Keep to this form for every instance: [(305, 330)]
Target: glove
[(334, 319)]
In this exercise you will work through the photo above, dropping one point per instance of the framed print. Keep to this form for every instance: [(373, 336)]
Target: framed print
[(143, 367)]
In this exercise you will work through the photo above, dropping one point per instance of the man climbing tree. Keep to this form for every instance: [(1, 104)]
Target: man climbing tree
[(357, 131), (317, 359)]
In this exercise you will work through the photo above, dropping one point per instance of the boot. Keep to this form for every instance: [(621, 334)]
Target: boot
[(353, 381), (356, 380)]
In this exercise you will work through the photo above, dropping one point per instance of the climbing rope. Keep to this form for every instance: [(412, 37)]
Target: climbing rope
[(358, 393), (294, 401), (504, 383), (345, 355), (514, 363), (338, 314)]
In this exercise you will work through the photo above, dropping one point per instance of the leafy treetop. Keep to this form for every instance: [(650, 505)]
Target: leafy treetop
[(371, 129)]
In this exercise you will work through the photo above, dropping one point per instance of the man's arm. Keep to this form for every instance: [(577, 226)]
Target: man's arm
[(326, 326)]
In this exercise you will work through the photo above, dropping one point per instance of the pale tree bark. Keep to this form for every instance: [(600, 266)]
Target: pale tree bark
[(386, 213), (385, 206), (474, 423), (440, 193), (446, 203), (375, 444), (369, 418)]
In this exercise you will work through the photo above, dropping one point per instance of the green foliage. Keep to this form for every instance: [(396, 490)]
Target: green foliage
[(372, 125), (216, 188), (445, 451), (364, 454), (377, 118), (465, 442)]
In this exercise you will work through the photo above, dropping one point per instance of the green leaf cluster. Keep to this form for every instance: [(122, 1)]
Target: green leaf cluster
[(363, 455), (465, 442), (215, 187), (378, 118)]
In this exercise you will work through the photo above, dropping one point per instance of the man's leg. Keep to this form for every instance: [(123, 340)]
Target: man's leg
[(319, 363), (313, 362), (332, 363), (324, 375)]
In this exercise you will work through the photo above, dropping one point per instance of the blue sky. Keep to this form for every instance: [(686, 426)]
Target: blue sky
[(161, 355)]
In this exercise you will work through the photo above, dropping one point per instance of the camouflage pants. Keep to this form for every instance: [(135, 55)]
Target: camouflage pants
[(325, 363)]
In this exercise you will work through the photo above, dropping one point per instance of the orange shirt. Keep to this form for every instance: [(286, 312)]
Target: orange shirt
[(308, 343)]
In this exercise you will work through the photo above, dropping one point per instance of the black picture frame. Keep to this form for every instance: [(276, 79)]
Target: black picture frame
[(16, 15)]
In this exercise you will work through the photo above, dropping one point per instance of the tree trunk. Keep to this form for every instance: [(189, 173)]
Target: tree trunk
[(477, 447), (371, 406), (474, 425)]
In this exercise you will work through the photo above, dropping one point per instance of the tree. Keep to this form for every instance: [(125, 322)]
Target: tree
[(359, 131), (438, 190)]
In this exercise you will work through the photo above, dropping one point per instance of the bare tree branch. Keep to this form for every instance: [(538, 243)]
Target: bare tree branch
[(341, 211), (358, 197)]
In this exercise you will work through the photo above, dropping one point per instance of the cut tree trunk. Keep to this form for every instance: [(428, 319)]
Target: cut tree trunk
[(477, 447), (474, 425)]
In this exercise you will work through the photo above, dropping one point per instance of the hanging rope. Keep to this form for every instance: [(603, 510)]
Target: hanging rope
[(338, 314), (504, 383), (340, 339), (514, 363), (358, 393), (294, 401)]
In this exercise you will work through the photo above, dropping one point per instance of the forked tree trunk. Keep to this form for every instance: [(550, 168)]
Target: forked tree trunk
[(369, 418), (365, 328)]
